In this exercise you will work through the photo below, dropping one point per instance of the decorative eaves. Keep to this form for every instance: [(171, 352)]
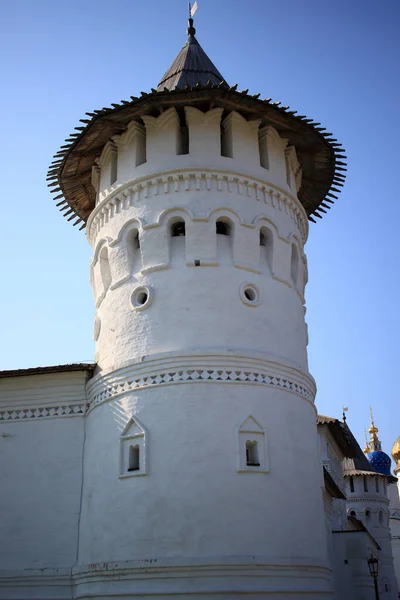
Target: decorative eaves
[(69, 174)]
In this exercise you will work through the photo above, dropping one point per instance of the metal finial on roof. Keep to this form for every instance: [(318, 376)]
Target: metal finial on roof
[(191, 31), (374, 442), (192, 10), (192, 66), (367, 449)]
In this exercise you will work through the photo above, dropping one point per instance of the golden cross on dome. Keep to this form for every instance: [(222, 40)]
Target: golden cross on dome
[(374, 443), (367, 449), (372, 415)]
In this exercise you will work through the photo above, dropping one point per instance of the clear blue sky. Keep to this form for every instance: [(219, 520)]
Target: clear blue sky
[(337, 62)]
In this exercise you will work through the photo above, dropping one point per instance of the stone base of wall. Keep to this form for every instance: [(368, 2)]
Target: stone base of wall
[(169, 579)]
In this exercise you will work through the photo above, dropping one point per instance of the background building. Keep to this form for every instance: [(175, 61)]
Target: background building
[(394, 494)]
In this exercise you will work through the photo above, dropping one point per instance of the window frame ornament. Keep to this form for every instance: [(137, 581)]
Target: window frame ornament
[(137, 293), (137, 437), (249, 287), (251, 431)]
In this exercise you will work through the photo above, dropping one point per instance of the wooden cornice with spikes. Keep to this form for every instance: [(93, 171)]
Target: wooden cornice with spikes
[(321, 157)]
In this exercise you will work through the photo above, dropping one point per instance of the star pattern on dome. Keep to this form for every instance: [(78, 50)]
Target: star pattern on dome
[(378, 459), (380, 462)]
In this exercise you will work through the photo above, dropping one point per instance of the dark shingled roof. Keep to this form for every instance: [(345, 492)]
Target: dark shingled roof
[(341, 433), (191, 67)]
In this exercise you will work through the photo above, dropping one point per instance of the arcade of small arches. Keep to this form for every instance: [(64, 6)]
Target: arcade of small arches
[(147, 189), (178, 243), (373, 517)]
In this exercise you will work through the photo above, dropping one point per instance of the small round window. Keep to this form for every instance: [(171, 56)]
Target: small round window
[(249, 294), (141, 297)]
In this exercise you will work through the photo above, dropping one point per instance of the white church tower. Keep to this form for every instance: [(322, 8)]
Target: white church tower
[(202, 476)]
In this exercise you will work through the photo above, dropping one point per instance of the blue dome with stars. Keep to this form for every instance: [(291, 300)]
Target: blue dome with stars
[(380, 462)]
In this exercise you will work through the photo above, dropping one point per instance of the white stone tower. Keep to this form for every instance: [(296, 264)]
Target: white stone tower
[(196, 200)]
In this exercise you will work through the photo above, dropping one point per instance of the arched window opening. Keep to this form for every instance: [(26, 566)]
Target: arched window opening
[(377, 484), (178, 241), (223, 228), (380, 517), (266, 247), (365, 482), (105, 271), (294, 266), (114, 166), (352, 513), (352, 485), (134, 255), (367, 514), (263, 147), (178, 229), (134, 458), (252, 454)]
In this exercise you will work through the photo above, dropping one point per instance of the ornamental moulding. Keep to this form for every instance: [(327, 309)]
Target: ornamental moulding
[(141, 376), (367, 499), (130, 194), (43, 412)]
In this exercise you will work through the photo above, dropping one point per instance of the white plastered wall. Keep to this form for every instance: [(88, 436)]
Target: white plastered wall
[(41, 453)]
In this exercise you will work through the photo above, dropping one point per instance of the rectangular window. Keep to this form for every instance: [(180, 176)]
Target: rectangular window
[(227, 139), (263, 147), (134, 458), (141, 147), (114, 166), (252, 454)]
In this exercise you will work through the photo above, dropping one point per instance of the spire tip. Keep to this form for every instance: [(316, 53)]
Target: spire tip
[(191, 31)]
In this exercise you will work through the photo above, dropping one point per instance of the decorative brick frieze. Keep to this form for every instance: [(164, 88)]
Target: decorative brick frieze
[(43, 412), (102, 389)]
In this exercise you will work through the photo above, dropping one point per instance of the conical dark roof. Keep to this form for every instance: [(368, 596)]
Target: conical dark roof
[(191, 67)]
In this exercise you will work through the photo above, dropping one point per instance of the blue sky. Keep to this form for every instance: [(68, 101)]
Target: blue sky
[(336, 62)]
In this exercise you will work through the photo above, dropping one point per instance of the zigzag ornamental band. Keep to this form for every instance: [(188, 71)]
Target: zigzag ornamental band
[(200, 375), (112, 390), (43, 412)]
